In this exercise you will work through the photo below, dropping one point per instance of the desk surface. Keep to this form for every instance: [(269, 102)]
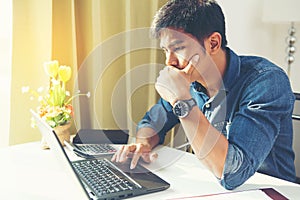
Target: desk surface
[(27, 172)]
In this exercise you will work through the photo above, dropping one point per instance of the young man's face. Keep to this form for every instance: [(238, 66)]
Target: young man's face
[(179, 47)]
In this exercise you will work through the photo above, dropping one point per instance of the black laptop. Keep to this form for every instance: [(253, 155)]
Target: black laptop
[(100, 178)]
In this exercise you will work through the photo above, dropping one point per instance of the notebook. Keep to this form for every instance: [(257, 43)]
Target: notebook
[(101, 136), (91, 175), (91, 150)]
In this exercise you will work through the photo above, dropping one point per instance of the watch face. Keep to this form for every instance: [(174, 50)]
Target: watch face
[(181, 109)]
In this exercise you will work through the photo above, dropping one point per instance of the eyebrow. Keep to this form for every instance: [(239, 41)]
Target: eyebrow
[(172, 44)]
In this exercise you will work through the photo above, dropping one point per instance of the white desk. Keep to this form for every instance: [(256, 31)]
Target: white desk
[(27, 172)]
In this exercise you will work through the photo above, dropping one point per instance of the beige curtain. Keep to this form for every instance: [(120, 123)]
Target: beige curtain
[(107, 45)]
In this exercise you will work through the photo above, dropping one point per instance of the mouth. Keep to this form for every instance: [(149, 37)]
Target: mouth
[(179, 67)]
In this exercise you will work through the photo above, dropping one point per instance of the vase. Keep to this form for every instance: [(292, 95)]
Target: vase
[(63, 134)]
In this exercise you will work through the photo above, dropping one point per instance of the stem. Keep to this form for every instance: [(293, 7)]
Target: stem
[(77, 95), (63, 94)]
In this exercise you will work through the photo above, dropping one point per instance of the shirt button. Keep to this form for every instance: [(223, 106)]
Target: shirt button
[(207, 105)]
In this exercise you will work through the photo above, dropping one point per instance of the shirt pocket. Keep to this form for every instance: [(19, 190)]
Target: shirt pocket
[(223, 127)]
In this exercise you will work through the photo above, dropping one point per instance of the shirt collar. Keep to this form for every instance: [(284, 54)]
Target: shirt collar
[(232, 71)]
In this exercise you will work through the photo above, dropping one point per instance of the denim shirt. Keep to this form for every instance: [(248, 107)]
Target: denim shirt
[(252, 110)]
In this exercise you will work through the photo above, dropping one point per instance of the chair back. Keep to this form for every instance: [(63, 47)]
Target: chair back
[(296, 127)]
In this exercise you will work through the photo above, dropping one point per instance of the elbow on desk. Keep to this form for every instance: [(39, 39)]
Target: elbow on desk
[(229, 186), (233, 181), (237, 170)]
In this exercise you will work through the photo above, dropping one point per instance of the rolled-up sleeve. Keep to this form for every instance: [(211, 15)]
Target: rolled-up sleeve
[(160, 118), (237, 168)]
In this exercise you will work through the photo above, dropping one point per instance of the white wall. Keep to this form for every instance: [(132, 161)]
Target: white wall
[(5, 69), (248, 34)]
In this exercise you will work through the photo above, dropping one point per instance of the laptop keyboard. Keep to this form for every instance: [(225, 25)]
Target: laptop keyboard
[(95, 149), (102, 177)]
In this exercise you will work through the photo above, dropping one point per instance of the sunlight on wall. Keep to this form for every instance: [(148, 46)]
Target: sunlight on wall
[(31, 47)]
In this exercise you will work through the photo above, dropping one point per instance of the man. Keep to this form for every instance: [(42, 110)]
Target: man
[(235, 110)]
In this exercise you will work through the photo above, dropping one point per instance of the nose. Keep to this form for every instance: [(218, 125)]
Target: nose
[(171, 59)]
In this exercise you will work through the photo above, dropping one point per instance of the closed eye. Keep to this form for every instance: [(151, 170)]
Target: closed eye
[(176, 49)]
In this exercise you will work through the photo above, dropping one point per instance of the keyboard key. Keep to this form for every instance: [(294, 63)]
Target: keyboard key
[(101, 176)]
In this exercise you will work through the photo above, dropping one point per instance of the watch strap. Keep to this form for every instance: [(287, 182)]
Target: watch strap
[(191, 102)]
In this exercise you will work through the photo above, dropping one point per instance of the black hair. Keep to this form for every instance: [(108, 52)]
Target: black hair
[(199, 18)]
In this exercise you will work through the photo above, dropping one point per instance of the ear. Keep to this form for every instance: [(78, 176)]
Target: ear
[(214, 42)]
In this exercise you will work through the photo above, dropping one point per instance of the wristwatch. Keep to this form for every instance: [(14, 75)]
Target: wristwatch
[(182, 108)]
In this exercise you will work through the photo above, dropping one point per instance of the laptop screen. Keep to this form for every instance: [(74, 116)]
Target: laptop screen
[(47, 132)]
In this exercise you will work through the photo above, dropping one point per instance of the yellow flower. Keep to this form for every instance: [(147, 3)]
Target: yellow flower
[(64, 73), (51, 68), (55, 105)]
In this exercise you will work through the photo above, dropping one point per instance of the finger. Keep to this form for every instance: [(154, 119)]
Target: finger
[(113, 158), (166, 68), (153, 156), (149, 157), (124, 155), (192, 63), (116, 156), (136, 156), (146, 157)]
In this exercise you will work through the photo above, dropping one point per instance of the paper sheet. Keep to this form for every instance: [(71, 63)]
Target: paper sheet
[(245, 195)]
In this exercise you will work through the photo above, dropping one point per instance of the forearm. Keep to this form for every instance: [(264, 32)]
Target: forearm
[(209, 144)]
